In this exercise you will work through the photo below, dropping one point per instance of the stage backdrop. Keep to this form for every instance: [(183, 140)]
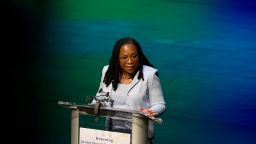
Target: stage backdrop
[(205, 52)]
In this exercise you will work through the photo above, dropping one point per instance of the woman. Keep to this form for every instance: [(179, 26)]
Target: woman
[(132, 83)]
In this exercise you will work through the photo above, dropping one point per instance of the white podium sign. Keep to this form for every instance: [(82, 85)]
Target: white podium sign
[(94, 136)]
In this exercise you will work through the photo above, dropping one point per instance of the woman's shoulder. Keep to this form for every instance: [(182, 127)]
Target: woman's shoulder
[(105, 68), (147, 70)]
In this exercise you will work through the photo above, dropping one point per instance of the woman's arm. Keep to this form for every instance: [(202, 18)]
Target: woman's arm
[(156, 97)]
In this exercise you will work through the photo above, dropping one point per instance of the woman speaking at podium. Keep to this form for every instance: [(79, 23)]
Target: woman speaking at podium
[(132, 83)]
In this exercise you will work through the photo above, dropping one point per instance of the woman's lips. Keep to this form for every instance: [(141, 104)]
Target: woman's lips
[(130, 68)]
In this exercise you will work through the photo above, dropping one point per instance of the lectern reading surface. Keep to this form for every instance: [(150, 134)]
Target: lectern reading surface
[(139, 120)]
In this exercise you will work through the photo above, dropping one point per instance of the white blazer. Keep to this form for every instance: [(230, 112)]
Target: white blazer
[(145, 93)]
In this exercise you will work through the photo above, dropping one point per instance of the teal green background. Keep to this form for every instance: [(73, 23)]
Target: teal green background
[(204, 51)]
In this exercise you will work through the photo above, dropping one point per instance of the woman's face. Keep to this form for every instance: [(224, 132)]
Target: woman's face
[(129, 59)]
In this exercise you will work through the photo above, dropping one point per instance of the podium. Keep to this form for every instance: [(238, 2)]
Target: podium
[(139, 133)]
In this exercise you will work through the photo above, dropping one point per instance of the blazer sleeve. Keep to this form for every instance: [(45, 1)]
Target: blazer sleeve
[(156, 97), (101, 80), (101, 83)]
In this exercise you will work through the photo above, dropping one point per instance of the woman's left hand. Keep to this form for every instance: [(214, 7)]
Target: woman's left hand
[(148, 112)]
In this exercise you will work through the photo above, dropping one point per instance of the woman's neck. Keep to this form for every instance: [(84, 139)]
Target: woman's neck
[(125, 76)]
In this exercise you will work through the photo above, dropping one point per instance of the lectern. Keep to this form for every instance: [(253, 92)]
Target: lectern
[(139, 120)]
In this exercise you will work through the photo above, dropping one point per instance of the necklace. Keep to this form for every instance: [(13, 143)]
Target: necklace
[(124, 77)]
